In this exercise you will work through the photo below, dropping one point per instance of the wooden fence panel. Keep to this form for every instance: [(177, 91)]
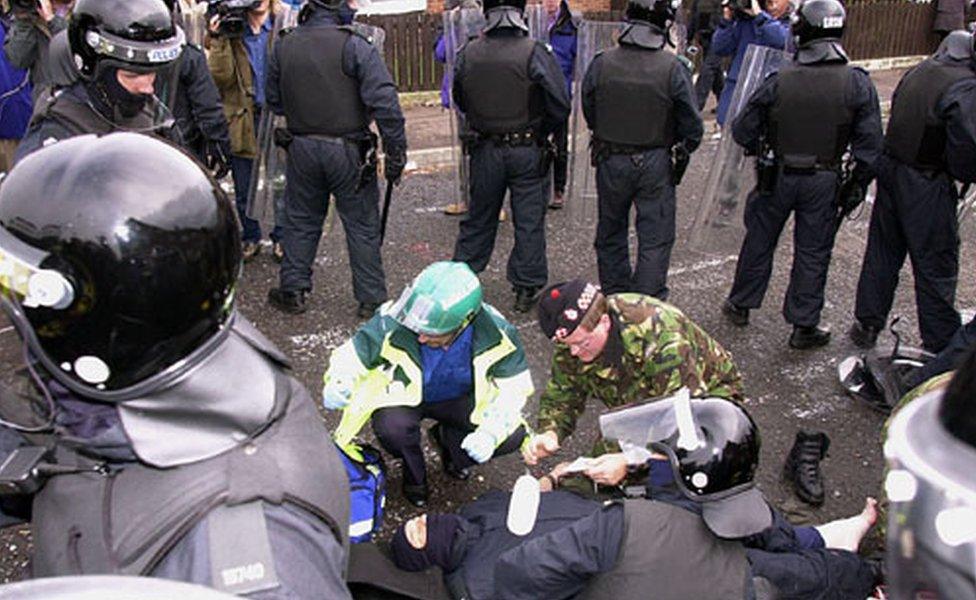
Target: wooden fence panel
[(875, 29)]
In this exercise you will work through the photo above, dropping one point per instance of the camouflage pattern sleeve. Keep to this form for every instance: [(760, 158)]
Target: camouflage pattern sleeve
[(562, 400)]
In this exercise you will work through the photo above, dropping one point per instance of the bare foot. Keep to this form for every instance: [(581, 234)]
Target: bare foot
[(846, 534)]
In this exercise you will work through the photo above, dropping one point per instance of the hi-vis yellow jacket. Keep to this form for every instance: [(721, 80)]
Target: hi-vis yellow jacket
[(381, 365)]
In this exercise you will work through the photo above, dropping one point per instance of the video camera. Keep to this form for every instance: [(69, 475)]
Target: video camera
[(231, 15), (740, 8)]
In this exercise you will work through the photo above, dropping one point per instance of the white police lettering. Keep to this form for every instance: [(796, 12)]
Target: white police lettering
[(163, 55), (833, 22), (245, 574)]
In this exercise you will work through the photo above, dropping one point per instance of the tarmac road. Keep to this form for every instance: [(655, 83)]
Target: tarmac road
[(787, 389)]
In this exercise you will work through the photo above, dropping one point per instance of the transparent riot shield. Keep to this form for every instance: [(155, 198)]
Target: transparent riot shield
[(718, 228), (593, 37), (460, 26), (538, 21), (194, 18)]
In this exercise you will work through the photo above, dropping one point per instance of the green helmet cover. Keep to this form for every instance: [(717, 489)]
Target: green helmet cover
[(442, 298)]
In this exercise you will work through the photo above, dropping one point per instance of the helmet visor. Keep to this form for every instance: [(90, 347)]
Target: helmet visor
[(135, 55)]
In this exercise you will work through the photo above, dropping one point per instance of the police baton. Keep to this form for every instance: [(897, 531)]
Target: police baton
[(386, 209)]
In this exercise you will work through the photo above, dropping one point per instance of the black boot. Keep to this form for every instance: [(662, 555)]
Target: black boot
[(452, 470), (525, 298), (736, 315), (807, 338), (863, 336), (287, 301), (415, 494), (366, 310), (802, 468)]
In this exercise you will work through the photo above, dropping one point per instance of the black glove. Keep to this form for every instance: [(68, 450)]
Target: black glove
[(393, 164), (218, 158)]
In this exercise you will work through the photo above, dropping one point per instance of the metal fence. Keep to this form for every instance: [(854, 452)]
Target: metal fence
[(875, 29)]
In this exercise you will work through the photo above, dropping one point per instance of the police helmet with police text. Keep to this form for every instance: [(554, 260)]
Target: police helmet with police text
[(818, 19), (135, 35), (119, 258)]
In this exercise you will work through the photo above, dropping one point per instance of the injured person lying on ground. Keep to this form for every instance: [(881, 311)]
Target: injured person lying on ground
[(702, 530)]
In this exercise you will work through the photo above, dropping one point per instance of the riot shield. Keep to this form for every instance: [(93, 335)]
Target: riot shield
[(719, 228), (460, 26), (592, 37), (194, 20), (538, 21)]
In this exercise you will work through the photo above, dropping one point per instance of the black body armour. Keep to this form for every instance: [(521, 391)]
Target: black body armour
[(125, 523), (318, 97), (810, 122), (669, 554), (633, 98), (916, 136), (500, 96), (79, 118)]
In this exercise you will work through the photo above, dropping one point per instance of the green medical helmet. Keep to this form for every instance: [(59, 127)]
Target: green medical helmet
[(442, 298)]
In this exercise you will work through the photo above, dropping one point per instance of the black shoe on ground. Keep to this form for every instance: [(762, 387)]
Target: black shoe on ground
[(415, 494), (806, 338), (525, 298), (452, 470), (250, 251), (863, 336), (737, 316), (287, 301), (366, 310), (802, 467)]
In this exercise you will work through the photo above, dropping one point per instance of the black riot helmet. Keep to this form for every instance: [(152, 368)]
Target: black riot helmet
[(122, 258), (818, 19), (655, 12), (135, 35), (713, 447), (518, 5)]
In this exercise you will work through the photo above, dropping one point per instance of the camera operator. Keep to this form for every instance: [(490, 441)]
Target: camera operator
[(240, 43), (744, 22), (35, 22)]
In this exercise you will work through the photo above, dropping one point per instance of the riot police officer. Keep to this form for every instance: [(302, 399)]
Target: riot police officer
[(195, 102), (639, 102), (119, 46), (181, 446), (513, 94), (330, 81), (931, 140), (801, 121)]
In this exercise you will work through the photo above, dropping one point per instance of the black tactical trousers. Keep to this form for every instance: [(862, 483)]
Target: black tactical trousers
[(560, 162), (711, 78), (495, 169), (913, 215), (810, 197), (948, 359), (398, 431), (643, 181), (318, 168)]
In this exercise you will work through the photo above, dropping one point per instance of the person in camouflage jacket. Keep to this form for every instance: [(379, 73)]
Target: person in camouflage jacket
[(620, 349)]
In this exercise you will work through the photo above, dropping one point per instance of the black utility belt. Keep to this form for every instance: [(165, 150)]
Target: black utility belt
[(515, 138), (808, 169), (626, 148)]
